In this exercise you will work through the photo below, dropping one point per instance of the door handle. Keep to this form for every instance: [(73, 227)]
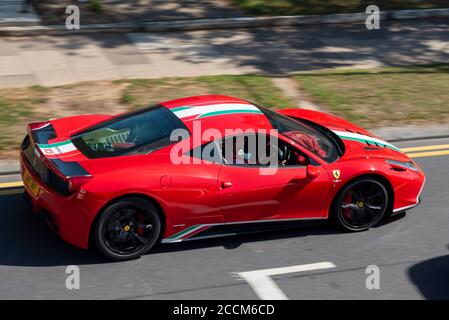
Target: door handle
[(225, 185)]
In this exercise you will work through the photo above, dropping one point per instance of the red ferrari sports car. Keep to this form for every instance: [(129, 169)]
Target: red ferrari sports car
[(123, 183)]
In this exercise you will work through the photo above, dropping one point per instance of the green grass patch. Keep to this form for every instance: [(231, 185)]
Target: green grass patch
[(260, 89), (12, 113), (298, 7), (18, 106), (382, 96), (95, 6)]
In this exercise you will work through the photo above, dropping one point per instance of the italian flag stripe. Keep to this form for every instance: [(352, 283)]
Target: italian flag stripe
[(214, 109), (196, 231), (188, 232), (364, 139), (57, 148), (217, 113)]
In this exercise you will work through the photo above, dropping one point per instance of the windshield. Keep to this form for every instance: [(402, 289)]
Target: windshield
[(139, 132), (317, 141)]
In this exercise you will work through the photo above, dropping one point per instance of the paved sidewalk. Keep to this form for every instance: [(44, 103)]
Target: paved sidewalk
[(63, 60), (11, 13)]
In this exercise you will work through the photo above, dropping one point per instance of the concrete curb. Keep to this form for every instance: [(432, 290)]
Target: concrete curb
[(222, 23), (13, 15), (391, 134), (9, 167), (412, 132)]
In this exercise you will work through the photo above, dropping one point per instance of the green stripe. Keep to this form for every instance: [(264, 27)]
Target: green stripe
[(371, 141), (181, 233), (216, 113), (56, 144), (179, 109)]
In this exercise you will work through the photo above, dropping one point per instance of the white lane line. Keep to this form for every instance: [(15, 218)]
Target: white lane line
[(265, 287)]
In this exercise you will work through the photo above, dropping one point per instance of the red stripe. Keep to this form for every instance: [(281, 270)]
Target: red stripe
[(195, 232)]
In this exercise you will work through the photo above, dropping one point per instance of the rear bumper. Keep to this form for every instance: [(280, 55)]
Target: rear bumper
[(71, 217)]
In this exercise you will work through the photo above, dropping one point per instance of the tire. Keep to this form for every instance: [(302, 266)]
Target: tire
[(360, 205), (127, 229)]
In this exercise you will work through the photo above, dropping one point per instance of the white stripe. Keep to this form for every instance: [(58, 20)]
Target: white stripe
[(69, 147), (192, 111), (178, 238), (41, 127), (264, 286), (362, 137)]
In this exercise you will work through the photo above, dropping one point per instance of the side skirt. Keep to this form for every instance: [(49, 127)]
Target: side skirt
[(206, 231)]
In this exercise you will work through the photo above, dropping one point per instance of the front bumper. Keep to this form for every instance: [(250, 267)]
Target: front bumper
[(408, 192)]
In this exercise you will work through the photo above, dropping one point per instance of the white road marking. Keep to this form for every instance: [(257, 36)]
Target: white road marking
[(264, 285)]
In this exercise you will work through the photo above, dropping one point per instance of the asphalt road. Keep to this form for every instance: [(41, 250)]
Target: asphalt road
[(411, 252)]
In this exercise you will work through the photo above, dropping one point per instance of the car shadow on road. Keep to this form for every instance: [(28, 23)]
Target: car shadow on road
[(235, 241), (26, 240), (431, 277)]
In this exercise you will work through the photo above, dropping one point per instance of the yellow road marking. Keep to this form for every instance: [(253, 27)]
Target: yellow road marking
[(14, 184), (428, 154), (426, 148)]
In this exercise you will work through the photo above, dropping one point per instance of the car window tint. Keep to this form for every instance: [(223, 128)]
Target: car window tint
[(210, 152), (260, 150), (139, 132)]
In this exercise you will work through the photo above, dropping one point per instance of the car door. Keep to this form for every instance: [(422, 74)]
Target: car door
[(191, 187), (290, 192)]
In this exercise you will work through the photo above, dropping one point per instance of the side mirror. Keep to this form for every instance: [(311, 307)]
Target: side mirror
[(313, 172)]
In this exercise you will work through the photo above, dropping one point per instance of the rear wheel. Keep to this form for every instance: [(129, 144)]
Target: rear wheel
[(127, 229), (360, 205)]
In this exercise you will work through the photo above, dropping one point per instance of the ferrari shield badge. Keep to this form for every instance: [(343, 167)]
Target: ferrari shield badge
[(336, 174)]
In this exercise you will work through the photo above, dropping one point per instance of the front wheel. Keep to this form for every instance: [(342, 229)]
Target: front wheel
[(360, 205), (127, 229)]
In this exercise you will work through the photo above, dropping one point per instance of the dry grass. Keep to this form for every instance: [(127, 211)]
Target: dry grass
[(18, 106), (383, 96)]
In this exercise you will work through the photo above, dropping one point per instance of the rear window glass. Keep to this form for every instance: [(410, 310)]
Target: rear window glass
[(143, 131)]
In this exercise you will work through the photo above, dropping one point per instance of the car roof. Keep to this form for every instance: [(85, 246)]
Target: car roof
[(218, 112)]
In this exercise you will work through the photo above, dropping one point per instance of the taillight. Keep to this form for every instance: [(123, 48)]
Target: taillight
[(75, 183)]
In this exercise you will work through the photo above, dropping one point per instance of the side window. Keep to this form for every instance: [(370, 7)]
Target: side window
[(260, 150), (250, 149), (240, 150), (210, 152)]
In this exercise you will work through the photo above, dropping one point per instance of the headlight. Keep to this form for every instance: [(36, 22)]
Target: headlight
[(407, 165)]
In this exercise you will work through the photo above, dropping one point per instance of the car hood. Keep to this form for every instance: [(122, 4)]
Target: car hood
[(358, 142)]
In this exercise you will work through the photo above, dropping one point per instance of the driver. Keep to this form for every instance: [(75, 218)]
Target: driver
[(309, 141)]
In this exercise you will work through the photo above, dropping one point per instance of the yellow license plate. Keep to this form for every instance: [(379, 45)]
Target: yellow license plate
[(32, 186)]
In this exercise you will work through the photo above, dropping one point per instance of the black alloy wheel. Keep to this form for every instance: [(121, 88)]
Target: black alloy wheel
[(361, 204), (127, 229)]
